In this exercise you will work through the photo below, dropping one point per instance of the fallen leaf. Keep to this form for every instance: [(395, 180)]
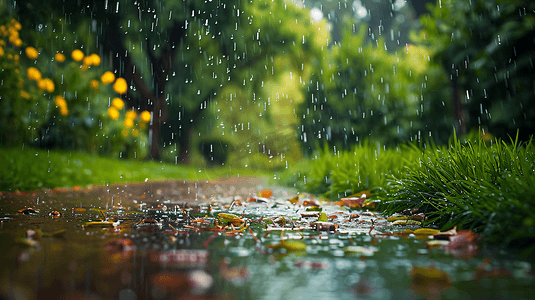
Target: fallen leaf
[(266, 193), (445, 235), (426, 231), (230, 218), (353, 202), (324, 226), (291, 245), (406, 222)]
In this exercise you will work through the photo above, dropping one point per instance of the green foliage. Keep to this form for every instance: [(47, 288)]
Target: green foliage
[(342, 173), (361, 91), (487, 188), (30, 114), (31, 169), (486, 47)]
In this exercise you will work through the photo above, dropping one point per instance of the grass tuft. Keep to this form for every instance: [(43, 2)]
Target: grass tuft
[(489, 188)]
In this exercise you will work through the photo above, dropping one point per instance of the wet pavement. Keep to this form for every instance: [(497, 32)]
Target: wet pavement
[(236, 238)]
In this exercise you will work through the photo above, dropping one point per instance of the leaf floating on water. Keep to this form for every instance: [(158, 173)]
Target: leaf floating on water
[(266, 194), (294, 199), (230, 218), (426, 231), (445, 235), (395, 218), (99, 224), (289, 246), (322, 217), (354, 202), (406, 222), (324, 226)]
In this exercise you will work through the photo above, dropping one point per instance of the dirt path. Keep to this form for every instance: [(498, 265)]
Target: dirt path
[(182, 192)]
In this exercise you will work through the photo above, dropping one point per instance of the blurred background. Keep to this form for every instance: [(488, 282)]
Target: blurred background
[(261, 84)]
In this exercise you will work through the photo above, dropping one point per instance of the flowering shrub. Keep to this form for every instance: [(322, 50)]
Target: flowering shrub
[(56, 100)]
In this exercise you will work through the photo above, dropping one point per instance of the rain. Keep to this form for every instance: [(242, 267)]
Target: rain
[(160, 149)]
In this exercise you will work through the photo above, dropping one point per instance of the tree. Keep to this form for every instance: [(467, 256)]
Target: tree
[(361, 92), (190, 50), (486, 47)]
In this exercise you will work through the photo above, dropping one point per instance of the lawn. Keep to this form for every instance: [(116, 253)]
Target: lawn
[(30, 169)]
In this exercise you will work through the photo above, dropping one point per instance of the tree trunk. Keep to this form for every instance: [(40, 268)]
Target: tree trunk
[(184, 143)]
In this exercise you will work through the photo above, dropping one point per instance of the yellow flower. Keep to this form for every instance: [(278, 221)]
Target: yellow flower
[(94, 84), (1, 51), (142, 125), (107, 77), (131, 115), (41, 84), (17, 42), (21, 82), (2, 42), (95, 59), (31, 52), (46, 84), (125, 132), (33, 74), (59, 57), (3, 30), (83, 68), (77, 55), (60, 101), (13, 33), (63, 110), (49, 85), (113, 113), (87, 61), (120, 85), (118, 103), (16, 57), (129, 123), (135, 132), (145, 116), (16, 24), (24, 95)]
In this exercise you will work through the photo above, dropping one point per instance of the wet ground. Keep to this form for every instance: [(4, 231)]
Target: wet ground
[(231, 239)]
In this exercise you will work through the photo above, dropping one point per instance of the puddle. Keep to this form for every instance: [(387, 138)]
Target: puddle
[(282, 254)]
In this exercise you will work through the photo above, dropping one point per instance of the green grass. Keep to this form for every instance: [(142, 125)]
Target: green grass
[(487, 188), (31, 169), (340, 174)]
